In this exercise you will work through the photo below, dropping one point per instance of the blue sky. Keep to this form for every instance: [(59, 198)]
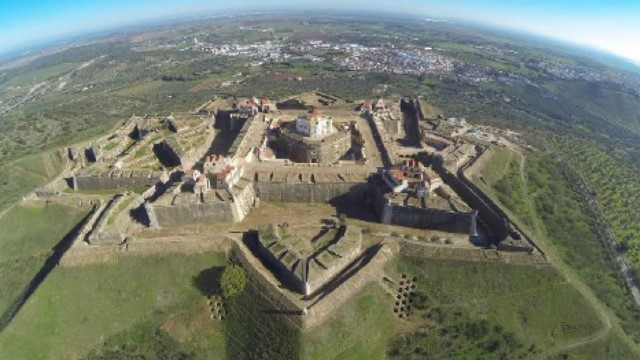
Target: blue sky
[(612, 25)]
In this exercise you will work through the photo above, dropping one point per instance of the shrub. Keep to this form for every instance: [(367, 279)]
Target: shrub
[(234, 279)]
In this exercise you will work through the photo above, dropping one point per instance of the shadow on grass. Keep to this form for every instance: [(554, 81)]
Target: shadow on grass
[(208, 281), (255, 330), (52, 261)]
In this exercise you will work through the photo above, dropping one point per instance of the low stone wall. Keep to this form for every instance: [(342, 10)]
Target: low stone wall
[(417, 249)]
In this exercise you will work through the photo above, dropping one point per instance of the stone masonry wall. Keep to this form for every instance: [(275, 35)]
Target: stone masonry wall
[(410, 216), (168, 216), (436, 219), (309, 192), (81, 182)]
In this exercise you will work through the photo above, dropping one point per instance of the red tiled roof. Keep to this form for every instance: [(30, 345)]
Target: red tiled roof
[(398, 174), (214, 158)]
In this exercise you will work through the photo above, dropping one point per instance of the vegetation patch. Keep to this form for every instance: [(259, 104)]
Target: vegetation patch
[(256, 329), (78, 307), (360, 329), (470, 310), (27, 235), (561, 215)]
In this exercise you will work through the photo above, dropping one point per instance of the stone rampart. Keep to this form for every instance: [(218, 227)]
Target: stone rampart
[(98, 234), (490, 216), (429, 218), (268, 287), (382, 140), (241, 145), (184, 214), (416, 217), (309, 192), (116, 179)]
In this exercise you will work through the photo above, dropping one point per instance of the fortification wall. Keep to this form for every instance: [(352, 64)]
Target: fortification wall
[(326, 305), (98, 235), (419, 110), (489, 213), (411, 116), (197, 213), (240, 144), (310, 192), (411, 216), (435, 219), (382, 140), (279, 270), (87, 182), (338, 265), (267, 287)]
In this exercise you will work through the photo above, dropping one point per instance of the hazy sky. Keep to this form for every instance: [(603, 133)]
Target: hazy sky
[(612, 25)]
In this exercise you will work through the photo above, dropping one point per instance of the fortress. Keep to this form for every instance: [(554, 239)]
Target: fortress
[(375, 162)]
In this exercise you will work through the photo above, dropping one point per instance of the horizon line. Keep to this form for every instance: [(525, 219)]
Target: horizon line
[(73, 36)]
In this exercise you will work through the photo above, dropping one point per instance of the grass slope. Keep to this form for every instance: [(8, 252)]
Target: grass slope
[(255, 329), (77, 309), (359, 330), (558, 215), (469, 310), (27, 234), (20, 177)]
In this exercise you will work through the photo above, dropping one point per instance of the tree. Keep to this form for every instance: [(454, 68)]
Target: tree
[(234, 279)]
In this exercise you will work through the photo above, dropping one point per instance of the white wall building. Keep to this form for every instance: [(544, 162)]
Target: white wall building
[(314, 126)]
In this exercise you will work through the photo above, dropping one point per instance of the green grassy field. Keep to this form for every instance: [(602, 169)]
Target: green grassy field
[(22, 176), (255, 329), (141, 89), (609, 348), (78, 309), (359, 330), (39, 75), (27, 234), (498, 165), (468, 310), (501, 177), (556, 213)]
